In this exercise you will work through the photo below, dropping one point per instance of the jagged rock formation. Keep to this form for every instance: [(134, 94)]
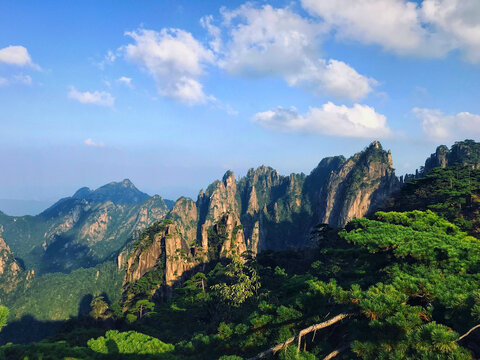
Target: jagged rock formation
[(359, 185), (9, 269), (465, 153), (462, 152), (265, 210), (82, 230), (11, 273), (160, 248)]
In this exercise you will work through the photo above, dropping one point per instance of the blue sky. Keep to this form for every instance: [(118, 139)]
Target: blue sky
[(171, 94)]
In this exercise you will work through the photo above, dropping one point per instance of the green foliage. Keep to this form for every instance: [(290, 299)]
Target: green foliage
[(410, 280), (131, 318), (148, 235), (421, 295), (3, 316), (59, 296), (142, 307), (130, 342), (241, 283), (99, 307), (147, 284), (452, 192)]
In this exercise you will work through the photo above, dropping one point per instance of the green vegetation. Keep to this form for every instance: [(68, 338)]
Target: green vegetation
[(59, 296), (3, 316), (401, 285), (129, 342), (147, 236), (452, 192)]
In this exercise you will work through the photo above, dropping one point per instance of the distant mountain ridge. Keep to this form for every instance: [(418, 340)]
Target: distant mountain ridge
[(82, 230)]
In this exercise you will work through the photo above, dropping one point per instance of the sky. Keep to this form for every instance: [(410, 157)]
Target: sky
[(171, 94)]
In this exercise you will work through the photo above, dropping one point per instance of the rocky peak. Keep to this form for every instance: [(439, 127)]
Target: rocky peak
[(229, 179), (358, 185), (126, 183), (123, 192), (185, 215), (465, 153)]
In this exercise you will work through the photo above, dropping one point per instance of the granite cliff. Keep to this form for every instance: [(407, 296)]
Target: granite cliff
[(266, 211)]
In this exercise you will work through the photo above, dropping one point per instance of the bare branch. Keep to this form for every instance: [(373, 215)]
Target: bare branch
[(468, 332), (273, 350), (336, 352), (322, 325)]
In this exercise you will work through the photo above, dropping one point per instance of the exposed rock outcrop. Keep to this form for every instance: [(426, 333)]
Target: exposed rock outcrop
[(10, 271), (464, 153), (358, 186)]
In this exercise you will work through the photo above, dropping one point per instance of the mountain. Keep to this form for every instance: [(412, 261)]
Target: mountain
[(400, 282), (82, 230), (463, 153), (118, 193), (263, 211)]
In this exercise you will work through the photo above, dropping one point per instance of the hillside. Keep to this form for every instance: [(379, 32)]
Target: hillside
[(82, 230)]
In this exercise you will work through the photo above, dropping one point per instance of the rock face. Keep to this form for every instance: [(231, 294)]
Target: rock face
[(359, 185), (277, 212), (161, 247), (265, 210), (10, 270), (82, 230), (465, 153)]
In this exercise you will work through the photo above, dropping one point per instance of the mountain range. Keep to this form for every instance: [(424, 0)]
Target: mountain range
[(117, 234)]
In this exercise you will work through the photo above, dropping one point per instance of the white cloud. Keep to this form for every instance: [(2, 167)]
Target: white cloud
[(16, 55), (438, 126), (267, 42), (23, 79), (91, 143), (430, 28), (108, 59), (125, 81), (175, 59), (3, 82), (458, 21), (359, 121), (101, 98), (213, 31)]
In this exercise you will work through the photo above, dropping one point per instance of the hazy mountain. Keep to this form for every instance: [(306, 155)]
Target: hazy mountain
[(82, 230)]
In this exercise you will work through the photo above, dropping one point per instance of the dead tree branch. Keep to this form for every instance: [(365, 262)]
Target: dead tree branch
[(273, 350)]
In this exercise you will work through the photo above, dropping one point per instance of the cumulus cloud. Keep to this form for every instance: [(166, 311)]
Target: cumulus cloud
[(176, 61), (101, 98), (438, 126), (359, 121), (16, 55), (266, 41), (125, 81), (430, 28), (92, 143)]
